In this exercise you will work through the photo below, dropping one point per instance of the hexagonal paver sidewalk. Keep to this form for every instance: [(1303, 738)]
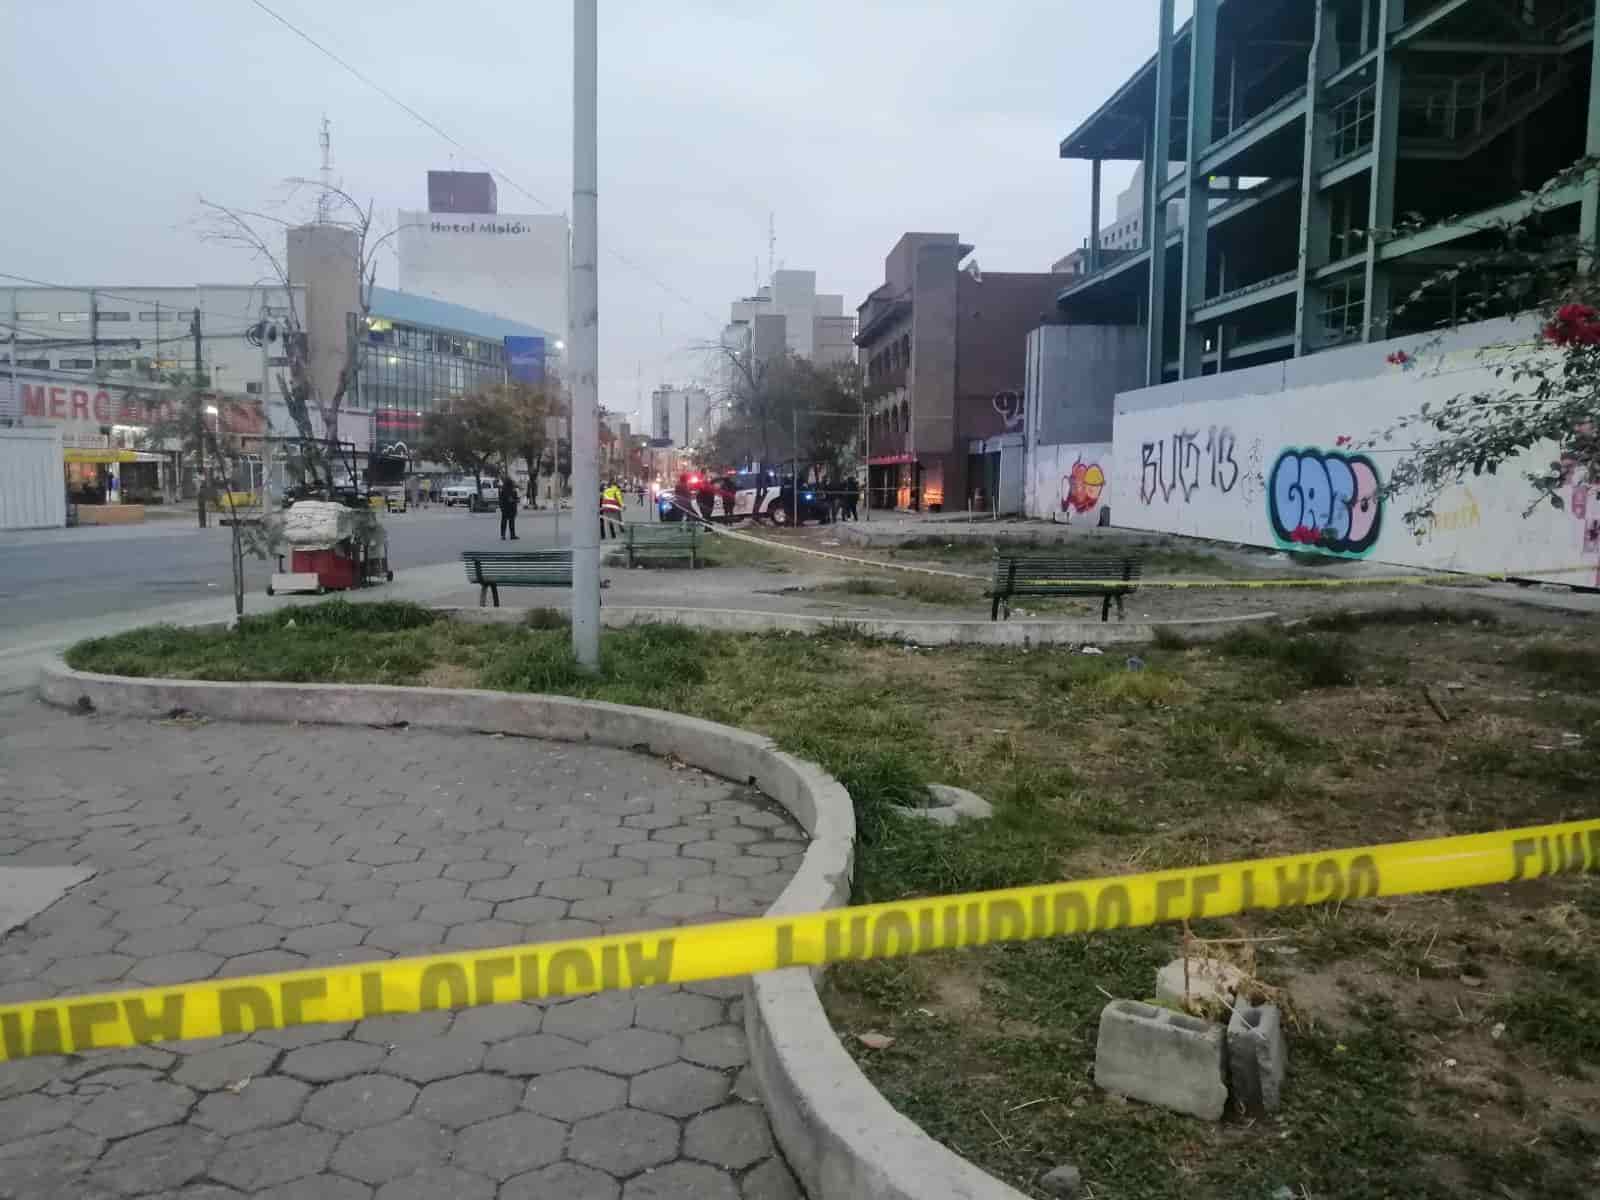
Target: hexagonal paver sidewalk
[(228, 849)]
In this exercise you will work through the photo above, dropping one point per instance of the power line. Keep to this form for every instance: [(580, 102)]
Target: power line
[(471, 154), (181, 313), (393, 99)]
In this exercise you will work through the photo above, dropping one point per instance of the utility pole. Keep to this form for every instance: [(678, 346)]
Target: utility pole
[(586, 338), (199, 417)]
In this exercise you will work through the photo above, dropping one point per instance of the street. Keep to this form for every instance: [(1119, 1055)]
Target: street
[(49, 576), (59, 586)]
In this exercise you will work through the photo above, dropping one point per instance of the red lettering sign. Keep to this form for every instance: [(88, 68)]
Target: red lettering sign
[(58, 402), (80, 404), (33, 399)]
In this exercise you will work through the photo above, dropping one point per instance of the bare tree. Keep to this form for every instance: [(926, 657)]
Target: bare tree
[(315, 414), (226, 465)]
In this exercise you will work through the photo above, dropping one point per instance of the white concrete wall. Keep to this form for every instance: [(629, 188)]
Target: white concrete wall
[(1292, 446), (1069, 483), (33, 492)]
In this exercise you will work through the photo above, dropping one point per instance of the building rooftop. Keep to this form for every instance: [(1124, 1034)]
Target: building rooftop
[(441, 314)]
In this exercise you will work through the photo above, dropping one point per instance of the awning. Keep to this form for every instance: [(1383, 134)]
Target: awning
[(100, 456)]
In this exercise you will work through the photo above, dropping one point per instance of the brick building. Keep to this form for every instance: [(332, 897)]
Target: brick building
[(942, 352)]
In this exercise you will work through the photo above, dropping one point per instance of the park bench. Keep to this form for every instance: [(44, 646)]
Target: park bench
[(492, 570), (1058, 575), (678, 540)]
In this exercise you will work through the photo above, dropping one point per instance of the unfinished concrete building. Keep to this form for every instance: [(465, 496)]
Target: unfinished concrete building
[(1429, 120)]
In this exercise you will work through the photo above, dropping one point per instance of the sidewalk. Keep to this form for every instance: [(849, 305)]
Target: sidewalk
[(223, 850)]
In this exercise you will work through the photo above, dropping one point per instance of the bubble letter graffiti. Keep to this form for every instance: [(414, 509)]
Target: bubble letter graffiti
[(1326, 500)]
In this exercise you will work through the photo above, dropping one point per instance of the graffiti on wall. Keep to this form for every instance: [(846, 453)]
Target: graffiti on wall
[(1183, 463), (1009, 405), (1326, 500), (1584, 504), (1081, 487)]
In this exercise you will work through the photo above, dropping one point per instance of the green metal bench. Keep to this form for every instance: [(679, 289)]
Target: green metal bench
[(492, 570), (677, 540), (1057, 575)]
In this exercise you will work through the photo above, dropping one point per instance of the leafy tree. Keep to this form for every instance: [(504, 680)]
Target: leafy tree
[(785, 398), (473, 434), (1546, 389), (529, 408)]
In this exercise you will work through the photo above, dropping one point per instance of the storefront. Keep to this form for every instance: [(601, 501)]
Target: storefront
[(114, 475)]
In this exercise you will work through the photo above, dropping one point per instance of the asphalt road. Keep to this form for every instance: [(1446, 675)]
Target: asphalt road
[(56, 575)]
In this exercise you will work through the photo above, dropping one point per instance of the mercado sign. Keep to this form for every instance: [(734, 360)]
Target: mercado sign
[(86, 412)]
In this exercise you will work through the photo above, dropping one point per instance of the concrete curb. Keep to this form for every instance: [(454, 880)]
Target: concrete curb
[(905, 629), (842, 1138)]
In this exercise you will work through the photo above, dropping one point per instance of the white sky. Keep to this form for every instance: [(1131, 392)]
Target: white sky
[(851, 121)]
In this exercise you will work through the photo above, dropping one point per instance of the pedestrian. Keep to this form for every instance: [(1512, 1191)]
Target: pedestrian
[(852, 494), (508, 508)]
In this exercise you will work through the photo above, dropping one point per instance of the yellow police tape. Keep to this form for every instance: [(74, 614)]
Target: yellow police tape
[(1436, 579), (510, 974)]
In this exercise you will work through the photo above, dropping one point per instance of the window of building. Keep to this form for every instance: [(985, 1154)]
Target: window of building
[(36, 364), (117, 364), (153, 316), (33, 316), (115, 314), (253, 389), (77, 364), (72, 318)]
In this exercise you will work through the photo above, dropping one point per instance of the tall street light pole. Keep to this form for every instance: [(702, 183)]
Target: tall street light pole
[(585, 340)]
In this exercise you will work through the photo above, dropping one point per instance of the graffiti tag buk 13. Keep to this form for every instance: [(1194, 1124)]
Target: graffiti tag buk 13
[(1175, 465), (1325, 500)]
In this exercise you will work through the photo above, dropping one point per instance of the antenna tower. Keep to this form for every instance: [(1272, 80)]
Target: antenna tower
[(325, 140)]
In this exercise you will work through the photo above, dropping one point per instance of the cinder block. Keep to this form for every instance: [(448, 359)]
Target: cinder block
[(1211, 985), (1257, 1057), (1161, 1057)]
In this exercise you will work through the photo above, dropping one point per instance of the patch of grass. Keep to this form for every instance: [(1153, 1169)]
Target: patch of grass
[(1314, 661), (546, 618), (379, 616), (857, 586), (1166, 638), (922, 588), (720, 550), (937, 591), (1559, 664), (965, 548), (336, 648), (1146, 689), (1355, 620)]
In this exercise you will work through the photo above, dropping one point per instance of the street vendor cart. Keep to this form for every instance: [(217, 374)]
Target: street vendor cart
[(331, 547)]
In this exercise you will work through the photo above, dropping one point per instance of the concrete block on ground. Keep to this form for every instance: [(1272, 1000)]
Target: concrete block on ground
[(1162, 1057), (1258, 1056), (949, 805), (25, 892), (1212, 985)]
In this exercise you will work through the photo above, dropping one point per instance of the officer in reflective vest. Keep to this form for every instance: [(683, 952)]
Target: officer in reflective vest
[(610, 509)]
